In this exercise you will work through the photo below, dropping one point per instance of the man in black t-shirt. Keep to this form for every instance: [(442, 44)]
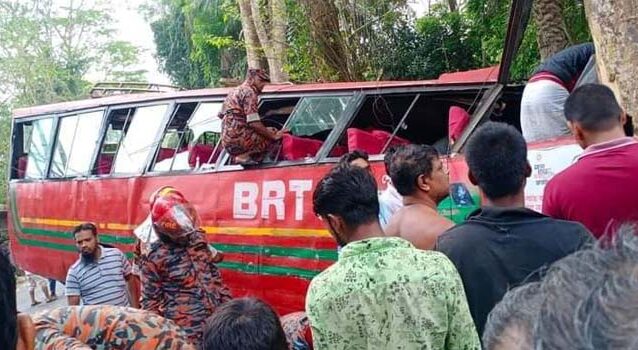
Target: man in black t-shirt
[(503, 244)]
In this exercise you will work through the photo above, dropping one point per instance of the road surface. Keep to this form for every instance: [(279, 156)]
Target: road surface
[(24, 302)]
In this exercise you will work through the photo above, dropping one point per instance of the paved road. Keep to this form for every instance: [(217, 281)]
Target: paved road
[(24, 302)]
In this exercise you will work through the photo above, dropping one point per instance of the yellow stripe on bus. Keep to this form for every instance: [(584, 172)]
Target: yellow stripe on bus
[(240, 231), (73, 223), (50, 222), (266, 231)]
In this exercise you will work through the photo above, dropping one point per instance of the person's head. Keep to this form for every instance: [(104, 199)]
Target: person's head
[(16, 331), (510, 325), (356, 158), (387, 158), (591, 111), (258, 78), (86, 240), (496, 156), (345, 199), (173, 217), (244, 324), (417, 170), (591, 298)]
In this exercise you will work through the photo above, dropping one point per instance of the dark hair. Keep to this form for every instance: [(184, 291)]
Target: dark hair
[(410, 162), (350, 157), (348, 192), (387, 158), (591, 297), (8, 310), (594, 107), (518, 310), (87, 226), (244, 324), (497, 158)]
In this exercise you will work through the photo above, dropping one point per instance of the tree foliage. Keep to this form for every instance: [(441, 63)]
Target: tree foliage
[(197, 42), (336, 40), (48, 47)]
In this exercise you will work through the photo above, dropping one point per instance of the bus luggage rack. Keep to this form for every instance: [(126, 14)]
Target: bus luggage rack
[(104, 89)]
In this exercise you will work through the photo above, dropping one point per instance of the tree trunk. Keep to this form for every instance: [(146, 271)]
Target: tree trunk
[(614, 27), (269, 43), (552, 32), (325, 30), (253, 46), (452, 5)]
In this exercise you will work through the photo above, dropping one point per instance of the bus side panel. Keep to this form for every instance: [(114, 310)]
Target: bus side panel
[(261, 219)]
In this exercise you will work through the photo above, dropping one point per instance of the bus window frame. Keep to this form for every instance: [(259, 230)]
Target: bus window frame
[(149, 158), (11, 147), (222, 163), (57, 131), (54, 128), (423, 90), (149, 170)]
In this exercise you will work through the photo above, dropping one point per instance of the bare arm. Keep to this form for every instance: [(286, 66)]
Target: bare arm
[(73, 300)]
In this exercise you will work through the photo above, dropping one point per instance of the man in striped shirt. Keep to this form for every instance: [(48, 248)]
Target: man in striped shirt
[(101, 276)]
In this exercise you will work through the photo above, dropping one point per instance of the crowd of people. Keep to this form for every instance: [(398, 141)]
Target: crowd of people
[(406, 277)]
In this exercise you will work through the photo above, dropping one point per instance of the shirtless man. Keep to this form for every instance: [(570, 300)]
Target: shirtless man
[(421, 178)]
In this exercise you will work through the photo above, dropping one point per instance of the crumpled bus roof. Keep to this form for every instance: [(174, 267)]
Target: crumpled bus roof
[(476, 76)]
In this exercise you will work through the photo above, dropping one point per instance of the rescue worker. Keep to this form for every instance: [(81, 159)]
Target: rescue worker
[(180, 280), (244, 136), (98, 327)]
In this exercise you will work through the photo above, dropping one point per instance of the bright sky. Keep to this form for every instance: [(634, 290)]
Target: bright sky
[(131, 26)]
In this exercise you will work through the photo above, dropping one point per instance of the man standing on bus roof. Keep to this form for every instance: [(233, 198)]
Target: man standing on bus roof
[(420, 176), (180, 280), (244, 136), (101, 276), (547, 90)]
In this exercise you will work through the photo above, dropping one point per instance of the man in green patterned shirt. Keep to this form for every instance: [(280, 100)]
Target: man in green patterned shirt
[(382, 293)]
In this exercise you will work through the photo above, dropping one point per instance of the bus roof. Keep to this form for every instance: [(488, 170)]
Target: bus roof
[(477, 76)]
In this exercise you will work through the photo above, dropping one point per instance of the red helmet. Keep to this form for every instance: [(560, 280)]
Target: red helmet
[(172, 215)]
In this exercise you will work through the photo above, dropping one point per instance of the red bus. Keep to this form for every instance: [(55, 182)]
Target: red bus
[(98, 160)]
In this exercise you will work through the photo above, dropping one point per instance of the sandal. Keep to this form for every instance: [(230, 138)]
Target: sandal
[(35, 303)]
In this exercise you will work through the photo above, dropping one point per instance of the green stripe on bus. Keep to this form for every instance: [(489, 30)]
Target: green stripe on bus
[(320, 254), (50, 245), (268, 270), (56, 246), (104, 238), (262, 269)]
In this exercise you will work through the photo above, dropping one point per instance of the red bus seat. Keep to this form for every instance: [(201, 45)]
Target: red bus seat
[(22, 166), (458, 120), (384, 136), (201, 153), (104, 163), (371, 142), (295, 147), (362, 140), (164, 153), (338, 151)]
